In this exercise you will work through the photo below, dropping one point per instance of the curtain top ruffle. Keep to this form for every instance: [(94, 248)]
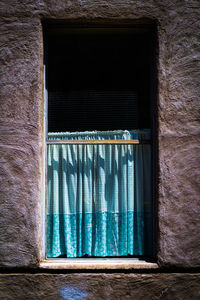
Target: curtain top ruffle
[(141, 134)]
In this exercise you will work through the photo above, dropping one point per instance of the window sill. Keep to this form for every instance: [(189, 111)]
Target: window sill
[(97, 264)]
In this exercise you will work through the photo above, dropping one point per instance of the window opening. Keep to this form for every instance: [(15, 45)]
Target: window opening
[(99, 201)]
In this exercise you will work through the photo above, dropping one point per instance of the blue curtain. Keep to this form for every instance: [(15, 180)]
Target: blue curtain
[(99, 196)]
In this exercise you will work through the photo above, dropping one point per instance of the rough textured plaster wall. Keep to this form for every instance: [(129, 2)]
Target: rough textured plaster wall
[(179, 136), (21, 121), (20, 142), (101, 286)]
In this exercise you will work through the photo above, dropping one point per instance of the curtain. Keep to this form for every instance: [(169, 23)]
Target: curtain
[(99, 196)]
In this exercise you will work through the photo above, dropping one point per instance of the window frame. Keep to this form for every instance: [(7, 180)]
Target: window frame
[(98, 263)]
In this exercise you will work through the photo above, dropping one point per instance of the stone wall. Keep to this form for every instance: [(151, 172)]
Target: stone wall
[(178, 175)]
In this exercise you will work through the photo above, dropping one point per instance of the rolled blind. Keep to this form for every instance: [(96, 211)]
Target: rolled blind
[(92, 109)]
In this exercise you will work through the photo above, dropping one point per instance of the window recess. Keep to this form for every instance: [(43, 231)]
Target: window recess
[(99, 185)]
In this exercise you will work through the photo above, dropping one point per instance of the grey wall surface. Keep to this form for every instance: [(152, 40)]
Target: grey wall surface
[(21, 118)]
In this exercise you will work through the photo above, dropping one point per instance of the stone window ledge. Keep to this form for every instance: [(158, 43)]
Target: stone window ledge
[(95, 264)]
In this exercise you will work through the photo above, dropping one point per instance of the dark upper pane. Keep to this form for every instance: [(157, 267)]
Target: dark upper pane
[(98, 82)]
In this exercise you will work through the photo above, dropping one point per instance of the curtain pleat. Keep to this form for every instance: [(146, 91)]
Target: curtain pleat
[(99, 196)]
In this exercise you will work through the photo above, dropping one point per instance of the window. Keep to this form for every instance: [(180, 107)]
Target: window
[(99, 181)]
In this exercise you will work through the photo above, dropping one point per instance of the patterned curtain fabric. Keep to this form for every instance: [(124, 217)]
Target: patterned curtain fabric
[(99, 196)]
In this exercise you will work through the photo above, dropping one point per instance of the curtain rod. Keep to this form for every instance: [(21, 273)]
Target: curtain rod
[(96, 142)]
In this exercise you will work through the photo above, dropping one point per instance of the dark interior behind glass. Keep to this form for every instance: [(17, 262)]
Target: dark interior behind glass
[(98, 79)]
